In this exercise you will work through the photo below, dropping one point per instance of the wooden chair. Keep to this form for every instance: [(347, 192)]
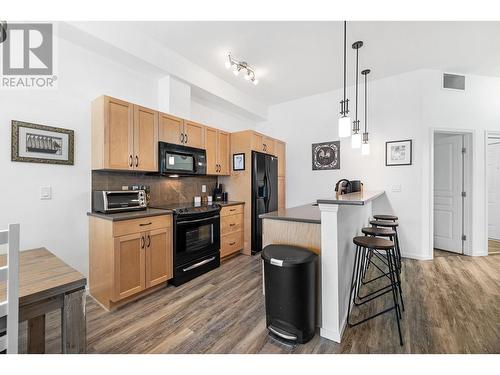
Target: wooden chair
[(10, 273)]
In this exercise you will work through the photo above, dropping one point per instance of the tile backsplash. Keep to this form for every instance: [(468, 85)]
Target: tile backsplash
[(164, 190)]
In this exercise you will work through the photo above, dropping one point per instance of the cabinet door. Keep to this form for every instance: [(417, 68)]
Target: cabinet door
[(281, 154), (193, 133), (145, 139), (281, 192), (129, 275), (257, 142), (119, 142), (211, 148), (159, 256), (268, 145), (171, 129), (223, 153)]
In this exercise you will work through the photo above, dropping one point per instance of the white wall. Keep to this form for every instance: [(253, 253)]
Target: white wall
[(405, 106), (494, 189), (61, 224)]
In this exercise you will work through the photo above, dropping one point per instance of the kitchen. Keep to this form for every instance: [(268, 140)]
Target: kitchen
[(180, 183)]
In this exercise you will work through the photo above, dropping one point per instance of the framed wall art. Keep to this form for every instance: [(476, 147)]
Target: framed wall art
[(34, 143), (398, 153), (238, 162), (326, 155)]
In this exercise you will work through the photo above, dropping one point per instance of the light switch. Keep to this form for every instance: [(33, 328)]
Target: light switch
[(46, 192), (396, 188), (203, 188)]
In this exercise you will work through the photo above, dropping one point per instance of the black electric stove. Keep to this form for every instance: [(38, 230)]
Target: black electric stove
[(196, 240)]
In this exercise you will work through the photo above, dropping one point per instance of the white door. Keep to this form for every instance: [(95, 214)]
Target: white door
[(494, 189), (448, 185)]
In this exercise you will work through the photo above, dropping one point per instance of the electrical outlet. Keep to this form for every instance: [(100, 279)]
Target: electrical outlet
[(396, 188), (125, 187), (46, 192), (203, 188)]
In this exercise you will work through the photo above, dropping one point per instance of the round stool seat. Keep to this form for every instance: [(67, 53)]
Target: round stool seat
[(373, 243), (384, 223), (385, 217), (378, 231)]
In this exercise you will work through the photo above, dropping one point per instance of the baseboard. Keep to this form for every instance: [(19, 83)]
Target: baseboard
[(416, 256)]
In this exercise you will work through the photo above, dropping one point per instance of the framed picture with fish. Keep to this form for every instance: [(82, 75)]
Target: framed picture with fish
[(326, 156), (34, 143)]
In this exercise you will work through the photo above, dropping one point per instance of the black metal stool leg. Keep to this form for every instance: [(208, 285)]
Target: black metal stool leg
[(398, 249), (395, 298), (353, 285), (398, 278)]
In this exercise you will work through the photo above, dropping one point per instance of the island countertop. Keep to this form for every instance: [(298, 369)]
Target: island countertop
[(308, 213), (359, 198)]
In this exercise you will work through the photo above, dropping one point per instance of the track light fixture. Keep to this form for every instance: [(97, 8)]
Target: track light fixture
[(243, 67)]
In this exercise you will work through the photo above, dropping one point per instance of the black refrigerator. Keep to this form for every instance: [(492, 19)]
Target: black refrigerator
[(264, 193)]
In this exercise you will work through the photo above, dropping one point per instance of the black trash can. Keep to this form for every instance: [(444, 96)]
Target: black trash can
[(290, 290)]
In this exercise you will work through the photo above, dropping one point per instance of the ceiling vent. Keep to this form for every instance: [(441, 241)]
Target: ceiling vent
[(453, 82)]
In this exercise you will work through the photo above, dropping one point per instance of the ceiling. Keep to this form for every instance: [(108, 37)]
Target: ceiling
[(297, 59)]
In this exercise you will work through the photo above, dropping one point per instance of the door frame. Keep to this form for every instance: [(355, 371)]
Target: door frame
[(469, 141), (487, 134)]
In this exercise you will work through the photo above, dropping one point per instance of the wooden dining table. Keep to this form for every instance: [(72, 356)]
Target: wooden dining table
[(47, 284)]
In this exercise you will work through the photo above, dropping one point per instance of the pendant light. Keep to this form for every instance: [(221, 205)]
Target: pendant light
[(344, 120), (356, 136), (365, 147)]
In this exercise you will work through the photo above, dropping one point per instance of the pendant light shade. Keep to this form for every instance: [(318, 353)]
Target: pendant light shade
[(344, 127), (365, 147), (344, 120), (356, 140)]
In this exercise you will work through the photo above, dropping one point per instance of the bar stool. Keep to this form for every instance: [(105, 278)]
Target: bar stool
[(394, 226), (363, 243), (386, 217), (381, 232)]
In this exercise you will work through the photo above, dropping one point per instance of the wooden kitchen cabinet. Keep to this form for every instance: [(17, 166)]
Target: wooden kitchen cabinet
[(171, 129), (124, 136), (194, 134), (231, 236), (262, 143), (217, 148), (281, 193), (281, 154), (129, 258)]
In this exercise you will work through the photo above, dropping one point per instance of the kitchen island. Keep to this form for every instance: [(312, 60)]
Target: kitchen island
[(326, 228)]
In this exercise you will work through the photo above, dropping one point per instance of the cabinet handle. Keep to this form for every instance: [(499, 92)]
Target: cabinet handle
[(144, 224), (231, 243), (142, 242), (131, 160), (182, 137), (136, 160), (265, 147), (149, 240), (186, 138), (232, 209), (232, 225)]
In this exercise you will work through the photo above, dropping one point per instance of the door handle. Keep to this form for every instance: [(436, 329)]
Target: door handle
[(142, 242), (130, 160), (232, 224), (199, 264), (136, 160), (186, 138), (231, 243), (144, 224), (181, 136), (149, 241)]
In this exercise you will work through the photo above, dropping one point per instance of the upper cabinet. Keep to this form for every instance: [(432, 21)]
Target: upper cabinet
[(217, 147), (280, 150), (124, 136), (181, 132), (263, 143)]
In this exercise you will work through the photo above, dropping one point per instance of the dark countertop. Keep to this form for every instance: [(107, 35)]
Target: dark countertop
[(129, 215), (359, 198), (229, 203), (308, 213)]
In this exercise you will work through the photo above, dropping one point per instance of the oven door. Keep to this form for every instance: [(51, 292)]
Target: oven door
[(195, 238)]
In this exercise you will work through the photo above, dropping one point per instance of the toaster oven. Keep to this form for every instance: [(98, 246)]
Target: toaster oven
[(106, 201)]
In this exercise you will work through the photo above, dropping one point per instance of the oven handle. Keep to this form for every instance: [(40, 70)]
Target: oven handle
[(199, 264), (197, 220)]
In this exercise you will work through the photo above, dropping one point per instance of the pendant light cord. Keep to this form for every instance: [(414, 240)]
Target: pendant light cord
[(357, 64), (366, 97), (345, 53)]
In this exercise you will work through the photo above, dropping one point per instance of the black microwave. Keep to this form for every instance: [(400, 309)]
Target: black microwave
[(181, 160)]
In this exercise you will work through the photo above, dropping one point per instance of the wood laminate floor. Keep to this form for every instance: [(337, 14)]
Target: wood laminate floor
[(493, 246), (452, 306)]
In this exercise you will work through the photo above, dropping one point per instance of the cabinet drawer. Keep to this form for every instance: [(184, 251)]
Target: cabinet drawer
[(121, 228), (231, 210), (231, 243), (231, 223)]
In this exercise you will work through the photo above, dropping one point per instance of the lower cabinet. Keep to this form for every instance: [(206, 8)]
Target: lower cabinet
[(129, 257), (231, 239)]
